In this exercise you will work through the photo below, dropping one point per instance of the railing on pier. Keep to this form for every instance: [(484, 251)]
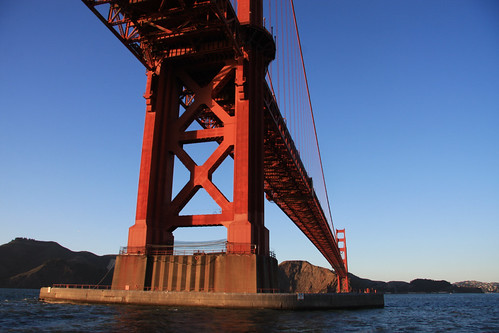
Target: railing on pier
[(80, 286), (201, 289), (193, 248)]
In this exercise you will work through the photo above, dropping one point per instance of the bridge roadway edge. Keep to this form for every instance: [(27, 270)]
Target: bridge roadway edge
[(282, 301)]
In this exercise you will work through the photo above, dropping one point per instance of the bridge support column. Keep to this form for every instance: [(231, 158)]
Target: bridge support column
[(223, 96), (248, 225)]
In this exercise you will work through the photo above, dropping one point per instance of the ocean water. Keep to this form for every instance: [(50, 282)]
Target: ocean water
[(20, 311)]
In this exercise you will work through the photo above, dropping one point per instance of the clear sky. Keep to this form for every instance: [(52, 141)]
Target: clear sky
[(406, 100)]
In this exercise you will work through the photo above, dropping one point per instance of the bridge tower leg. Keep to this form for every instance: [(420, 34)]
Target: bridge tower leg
[(225, 97)]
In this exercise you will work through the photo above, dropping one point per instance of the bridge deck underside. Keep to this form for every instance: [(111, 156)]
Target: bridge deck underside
[(288, 185)]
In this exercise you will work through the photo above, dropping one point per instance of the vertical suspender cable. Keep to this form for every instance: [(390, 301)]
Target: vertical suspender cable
[(280, 56), (289, 59), (313, 120)]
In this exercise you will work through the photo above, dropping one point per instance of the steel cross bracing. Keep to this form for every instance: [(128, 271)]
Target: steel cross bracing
[(191, 31), (170, 31)]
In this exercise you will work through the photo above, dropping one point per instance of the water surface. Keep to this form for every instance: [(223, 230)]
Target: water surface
[(20, 311)]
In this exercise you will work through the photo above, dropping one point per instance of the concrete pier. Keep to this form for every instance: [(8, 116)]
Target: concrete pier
[(229, 273), (208, 299)]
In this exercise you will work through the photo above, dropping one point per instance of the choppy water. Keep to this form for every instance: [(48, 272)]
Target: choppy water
[(20, 311)]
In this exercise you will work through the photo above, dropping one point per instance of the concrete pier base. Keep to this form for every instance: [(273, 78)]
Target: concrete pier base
[(230, 273), (222, 300)]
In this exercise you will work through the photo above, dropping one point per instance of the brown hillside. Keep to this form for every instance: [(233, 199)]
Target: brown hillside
[(303, 277)]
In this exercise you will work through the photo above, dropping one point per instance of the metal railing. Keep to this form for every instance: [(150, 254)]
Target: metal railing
[(80, 286), (217, 247)]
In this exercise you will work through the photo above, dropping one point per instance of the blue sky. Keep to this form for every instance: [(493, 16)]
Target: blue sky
[(406, 100)]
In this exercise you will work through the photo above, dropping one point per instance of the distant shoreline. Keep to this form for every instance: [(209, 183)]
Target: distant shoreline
[(32, 264)]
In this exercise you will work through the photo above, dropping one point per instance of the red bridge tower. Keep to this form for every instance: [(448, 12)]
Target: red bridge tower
[(205, 65)]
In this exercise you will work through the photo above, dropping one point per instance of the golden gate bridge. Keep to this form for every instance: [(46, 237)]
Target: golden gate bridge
[(235, 69)]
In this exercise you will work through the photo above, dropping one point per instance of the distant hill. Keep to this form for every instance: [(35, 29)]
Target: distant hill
[(301, 276), (487, 287), (28, 263)]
